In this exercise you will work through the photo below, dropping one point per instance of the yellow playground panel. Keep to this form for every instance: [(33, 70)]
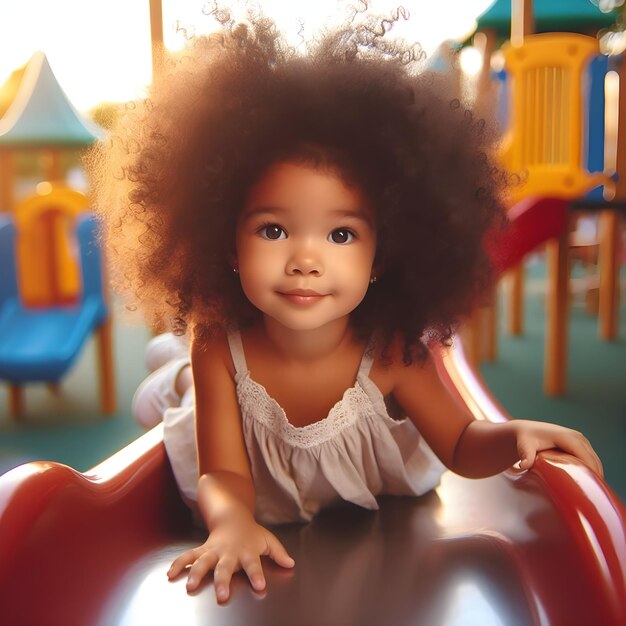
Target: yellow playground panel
[(544, 141), (48, 265)]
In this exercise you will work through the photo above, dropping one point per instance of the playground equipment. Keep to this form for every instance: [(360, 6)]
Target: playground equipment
[(539, 548), (40, 118), (52, 304), (516, 20), (47, 269), (548, 16), (544, 144), (544, 139)]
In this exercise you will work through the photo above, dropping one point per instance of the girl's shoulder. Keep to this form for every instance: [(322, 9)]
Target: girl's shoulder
[(389, 369), (212, 351), (424, 397)]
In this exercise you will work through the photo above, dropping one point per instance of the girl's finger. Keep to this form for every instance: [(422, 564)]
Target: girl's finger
[(582, 449), (253, 568), (180, 563), (527, 454), (592, 460), (203, 565), (277, 552), (222, 576)]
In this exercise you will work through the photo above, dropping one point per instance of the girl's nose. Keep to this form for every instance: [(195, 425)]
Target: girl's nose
[(305, 261)]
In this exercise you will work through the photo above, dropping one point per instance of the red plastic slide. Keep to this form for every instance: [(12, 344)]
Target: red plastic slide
[(543, 547)]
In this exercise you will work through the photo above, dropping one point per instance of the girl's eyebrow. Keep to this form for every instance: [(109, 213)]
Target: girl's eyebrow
[(262, 210), (357, 214)]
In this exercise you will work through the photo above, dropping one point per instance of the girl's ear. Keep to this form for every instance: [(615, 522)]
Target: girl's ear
[(233, 262), (377, 271)]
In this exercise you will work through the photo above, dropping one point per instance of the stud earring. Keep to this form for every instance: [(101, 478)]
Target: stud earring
[(372, 280), (235, 270)]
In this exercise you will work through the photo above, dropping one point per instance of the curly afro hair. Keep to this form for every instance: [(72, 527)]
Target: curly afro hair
[(174, 175)]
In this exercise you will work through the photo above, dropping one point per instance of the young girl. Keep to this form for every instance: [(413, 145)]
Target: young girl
[(317, 221)]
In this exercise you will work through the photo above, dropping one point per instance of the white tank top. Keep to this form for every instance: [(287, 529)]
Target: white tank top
[(355, 453)]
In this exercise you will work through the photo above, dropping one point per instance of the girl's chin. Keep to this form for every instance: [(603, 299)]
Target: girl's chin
[(304, 323)]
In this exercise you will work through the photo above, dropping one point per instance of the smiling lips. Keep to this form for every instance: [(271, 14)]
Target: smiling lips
[(302, 296)]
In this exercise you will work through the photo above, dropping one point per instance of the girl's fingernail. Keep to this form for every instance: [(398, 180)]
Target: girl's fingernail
[(191, 582), (222, 593)]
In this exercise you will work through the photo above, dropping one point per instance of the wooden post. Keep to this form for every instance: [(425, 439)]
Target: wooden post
[(485, 41), (610, 225), (106, 368), (16, 400), (485, 96), (53, 169), (7, 181), (516, 300), (522, 21), (608, 306), (156, 36), (555, 369)]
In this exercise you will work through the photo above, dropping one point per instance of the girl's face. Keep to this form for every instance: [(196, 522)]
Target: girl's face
[(305, 246)]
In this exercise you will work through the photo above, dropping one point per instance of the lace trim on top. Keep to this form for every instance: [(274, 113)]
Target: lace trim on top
[(257, 405)]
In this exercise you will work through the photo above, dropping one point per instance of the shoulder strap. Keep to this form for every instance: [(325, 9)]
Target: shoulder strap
[(236, 351), (367, 359)]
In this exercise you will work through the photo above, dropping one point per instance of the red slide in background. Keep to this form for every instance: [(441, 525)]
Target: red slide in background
[(533, 221), (543, 547)]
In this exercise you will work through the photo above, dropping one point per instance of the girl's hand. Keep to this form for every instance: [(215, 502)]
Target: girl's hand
[(533, 437), (234, 544)]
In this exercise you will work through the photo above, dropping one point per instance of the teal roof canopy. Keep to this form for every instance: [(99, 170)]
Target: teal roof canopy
[(580, 16), (41, 115)]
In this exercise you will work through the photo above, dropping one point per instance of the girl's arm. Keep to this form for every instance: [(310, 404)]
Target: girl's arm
[(520, 439), (475, 448), (226, 495)]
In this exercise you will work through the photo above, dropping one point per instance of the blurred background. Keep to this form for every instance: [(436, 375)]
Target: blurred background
[(552, 343)]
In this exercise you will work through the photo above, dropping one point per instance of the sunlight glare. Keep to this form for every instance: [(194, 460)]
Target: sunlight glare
[(430, 22), (471, 60), (469, 605), (101, 52), (97, 52)]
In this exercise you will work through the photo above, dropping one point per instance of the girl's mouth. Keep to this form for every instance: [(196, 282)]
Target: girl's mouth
[(302, 296)]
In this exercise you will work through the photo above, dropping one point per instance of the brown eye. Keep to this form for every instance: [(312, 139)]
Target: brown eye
[(341, 235), (272, 232)]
